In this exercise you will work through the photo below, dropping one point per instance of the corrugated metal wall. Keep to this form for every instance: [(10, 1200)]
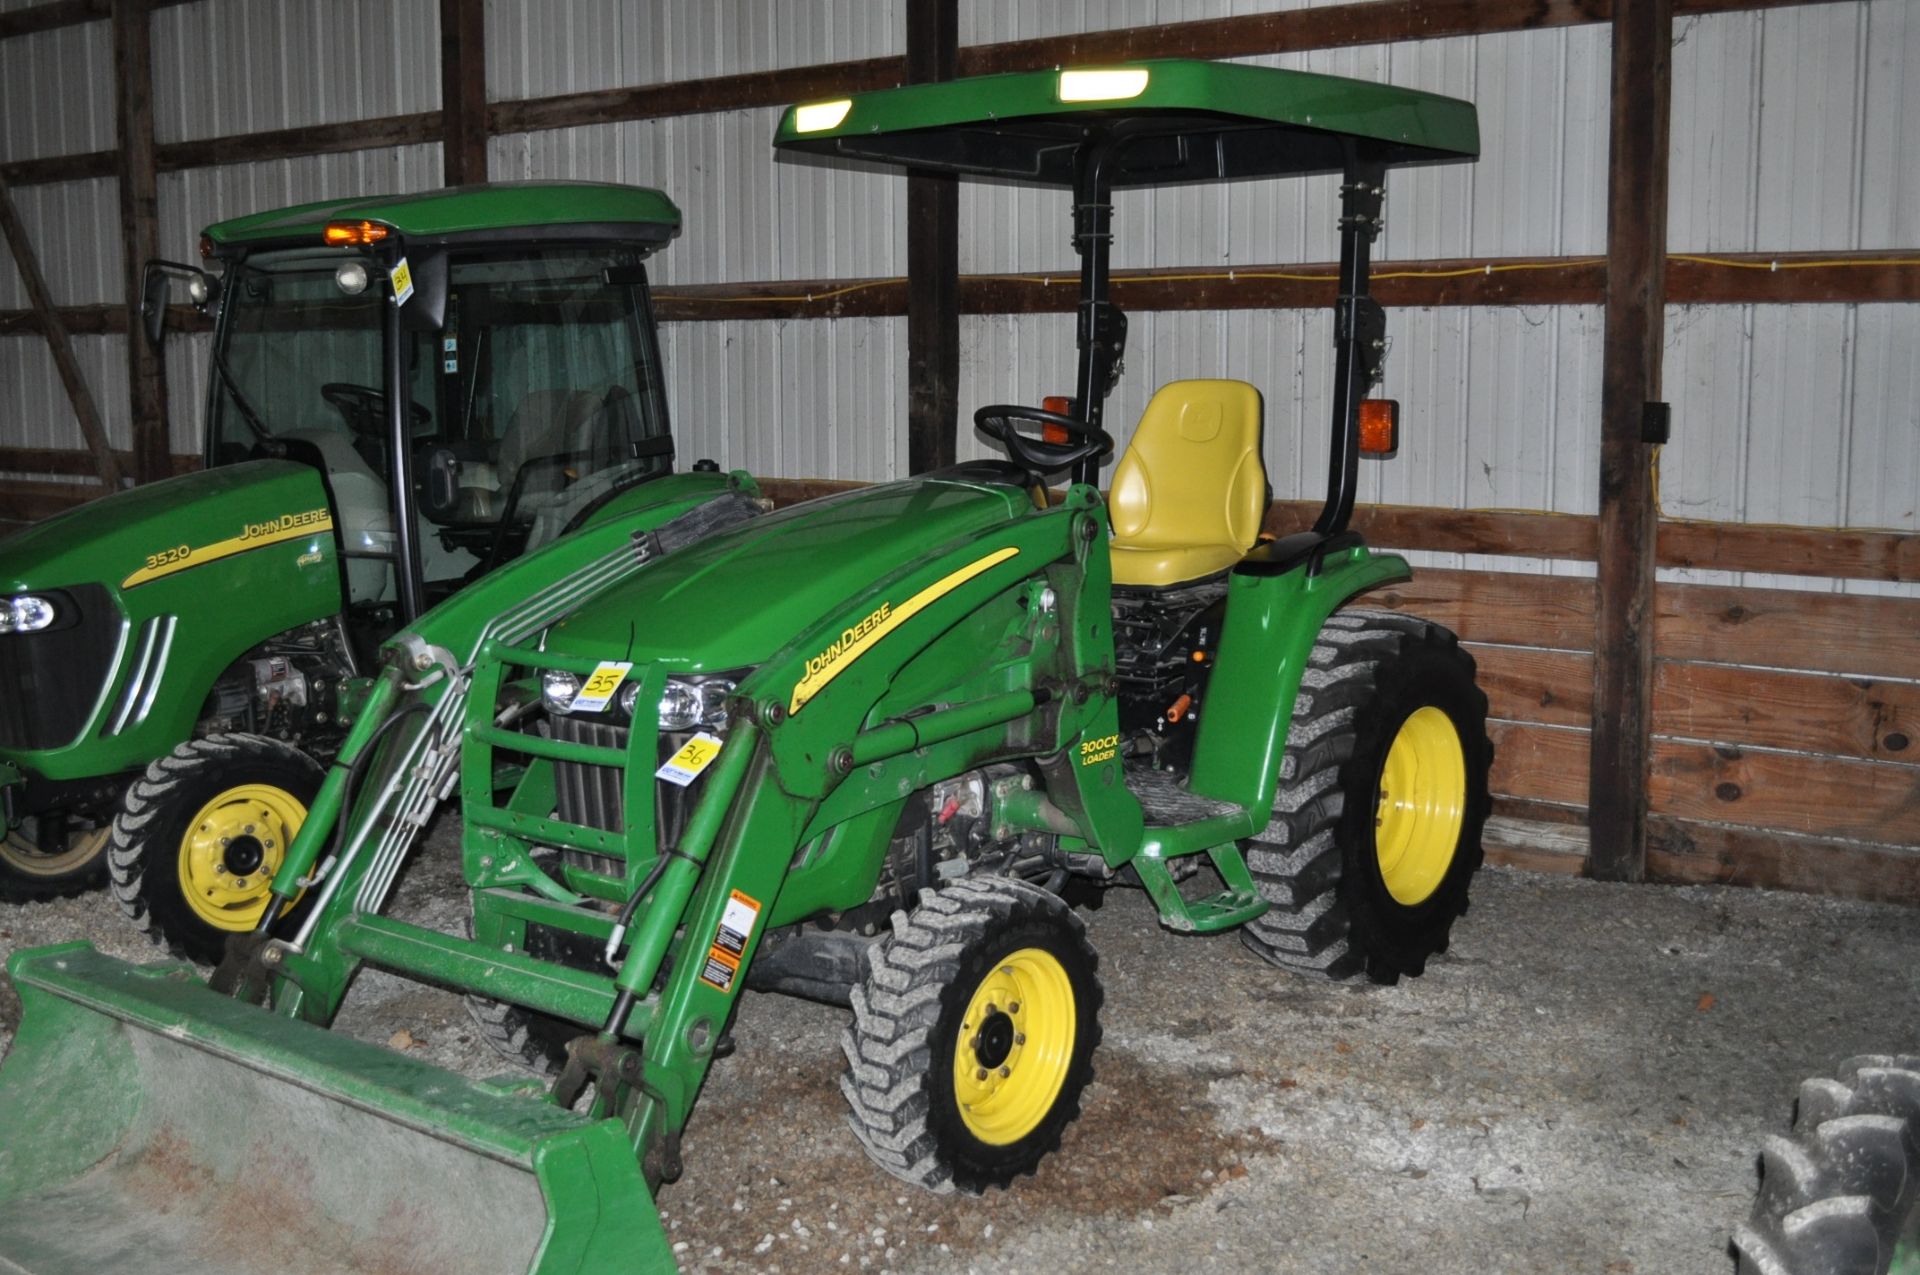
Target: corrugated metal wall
[(220, 67), (1787, 136)]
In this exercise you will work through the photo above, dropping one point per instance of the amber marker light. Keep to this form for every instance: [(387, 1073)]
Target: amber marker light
[(1379, 427), (817, 117), (1103, 86), (1056, 433), (340, 233)]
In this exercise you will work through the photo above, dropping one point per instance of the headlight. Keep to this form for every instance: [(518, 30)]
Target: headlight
[(685, 704), (557, 689), (27, 613)]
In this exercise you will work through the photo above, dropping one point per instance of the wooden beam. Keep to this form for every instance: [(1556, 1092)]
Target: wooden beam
[(1690, 852), (25, 501), (139, 229), (933, 261), (1641, 96), (695, 97), (36, 284), (1865, 718), (99, 320), (62, 13), (1504, 607), (1725, 279), (59, 168), (291, 143), (463, 91), (1308, 29), (48, 17), (70, 463), (1852, 634)]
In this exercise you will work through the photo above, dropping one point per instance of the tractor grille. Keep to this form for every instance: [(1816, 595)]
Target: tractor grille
[(588, 795), (51, 681)]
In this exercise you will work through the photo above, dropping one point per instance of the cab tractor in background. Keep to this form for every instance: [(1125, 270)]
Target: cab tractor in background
[(404, 393)]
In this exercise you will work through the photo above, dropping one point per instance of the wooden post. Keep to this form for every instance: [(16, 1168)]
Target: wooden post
[(463, 91), (139, 231), (1630, 379), (933, 261), (57, 340)]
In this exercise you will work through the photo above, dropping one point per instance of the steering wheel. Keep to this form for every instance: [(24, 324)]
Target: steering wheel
[(1002, 421), (365, 408)]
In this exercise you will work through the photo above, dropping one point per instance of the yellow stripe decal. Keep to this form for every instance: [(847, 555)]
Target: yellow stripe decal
[(256, 536), (858, 639)]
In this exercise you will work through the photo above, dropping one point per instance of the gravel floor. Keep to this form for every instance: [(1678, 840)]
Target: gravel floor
[(1579, 1086)]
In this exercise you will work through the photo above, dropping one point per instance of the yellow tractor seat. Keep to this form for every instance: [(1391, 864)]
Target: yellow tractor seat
[(1189, 494)]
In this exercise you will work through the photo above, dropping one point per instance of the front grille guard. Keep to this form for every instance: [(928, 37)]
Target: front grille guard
[(633, 842), (428, 769)]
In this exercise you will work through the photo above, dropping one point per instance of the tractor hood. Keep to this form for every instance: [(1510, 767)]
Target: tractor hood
[(737, 598), (164, 529)]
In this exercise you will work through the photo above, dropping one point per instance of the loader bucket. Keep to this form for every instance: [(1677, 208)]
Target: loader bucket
[(149, 1124)]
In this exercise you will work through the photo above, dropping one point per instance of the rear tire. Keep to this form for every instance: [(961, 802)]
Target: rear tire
[(1375, 833), (200, 835), (1842, 1196), (972, 1036), (28, 873)]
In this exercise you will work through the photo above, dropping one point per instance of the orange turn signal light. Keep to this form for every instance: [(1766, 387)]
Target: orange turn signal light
[(340, 233), (1064, 406), (1379, 427)]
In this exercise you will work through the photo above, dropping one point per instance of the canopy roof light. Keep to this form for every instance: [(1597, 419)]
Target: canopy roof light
[(1103, 86), (817, 117)]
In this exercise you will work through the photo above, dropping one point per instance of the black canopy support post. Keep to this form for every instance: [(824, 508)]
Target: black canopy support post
[(406, 540), (1359, 336), (933, 261), (1098, 316)]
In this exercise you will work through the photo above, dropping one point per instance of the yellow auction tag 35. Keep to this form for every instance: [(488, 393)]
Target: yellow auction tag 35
[(600, 686), (694, 757)]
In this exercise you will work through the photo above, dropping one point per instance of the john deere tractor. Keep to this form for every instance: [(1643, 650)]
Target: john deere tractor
[(859, 749), (404, 394)]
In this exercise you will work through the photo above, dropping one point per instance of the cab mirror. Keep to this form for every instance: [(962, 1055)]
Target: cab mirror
[(155, 287)]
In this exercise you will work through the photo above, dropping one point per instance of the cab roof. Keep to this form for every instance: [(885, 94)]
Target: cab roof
[(507, 210), (1193, 120)]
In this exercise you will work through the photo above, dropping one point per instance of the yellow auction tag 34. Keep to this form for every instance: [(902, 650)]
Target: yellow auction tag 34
[(694, 757), (598, 691)]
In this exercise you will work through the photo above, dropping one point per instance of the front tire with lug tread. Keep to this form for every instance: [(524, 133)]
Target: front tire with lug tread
[(199, 836), (973, 1035), (1842, 1195), (1375, 832)]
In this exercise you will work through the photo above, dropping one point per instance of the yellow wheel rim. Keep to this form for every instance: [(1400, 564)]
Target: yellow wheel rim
[(29, 860), (231, 851), (1015, 1047), (1423, 799)]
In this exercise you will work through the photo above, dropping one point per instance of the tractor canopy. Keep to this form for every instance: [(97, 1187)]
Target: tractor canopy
[(1192, 121), (548, 211)]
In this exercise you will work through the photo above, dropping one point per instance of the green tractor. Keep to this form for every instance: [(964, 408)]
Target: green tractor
[(405, 394), (862, 750)]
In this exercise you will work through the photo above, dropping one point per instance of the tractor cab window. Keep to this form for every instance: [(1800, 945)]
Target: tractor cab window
[(540, 395)]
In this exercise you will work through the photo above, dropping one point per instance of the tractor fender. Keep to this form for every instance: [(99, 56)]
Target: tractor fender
[(1272, 622)]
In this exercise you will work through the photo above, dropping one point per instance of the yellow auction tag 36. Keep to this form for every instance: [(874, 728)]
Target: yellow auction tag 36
[(600, 686), (694, 757)]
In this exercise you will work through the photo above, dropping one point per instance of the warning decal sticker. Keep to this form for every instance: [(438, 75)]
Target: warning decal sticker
[(730, 940)]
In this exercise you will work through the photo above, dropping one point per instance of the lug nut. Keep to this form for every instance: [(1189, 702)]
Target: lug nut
[(981, 1074), (1005, 1072)]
